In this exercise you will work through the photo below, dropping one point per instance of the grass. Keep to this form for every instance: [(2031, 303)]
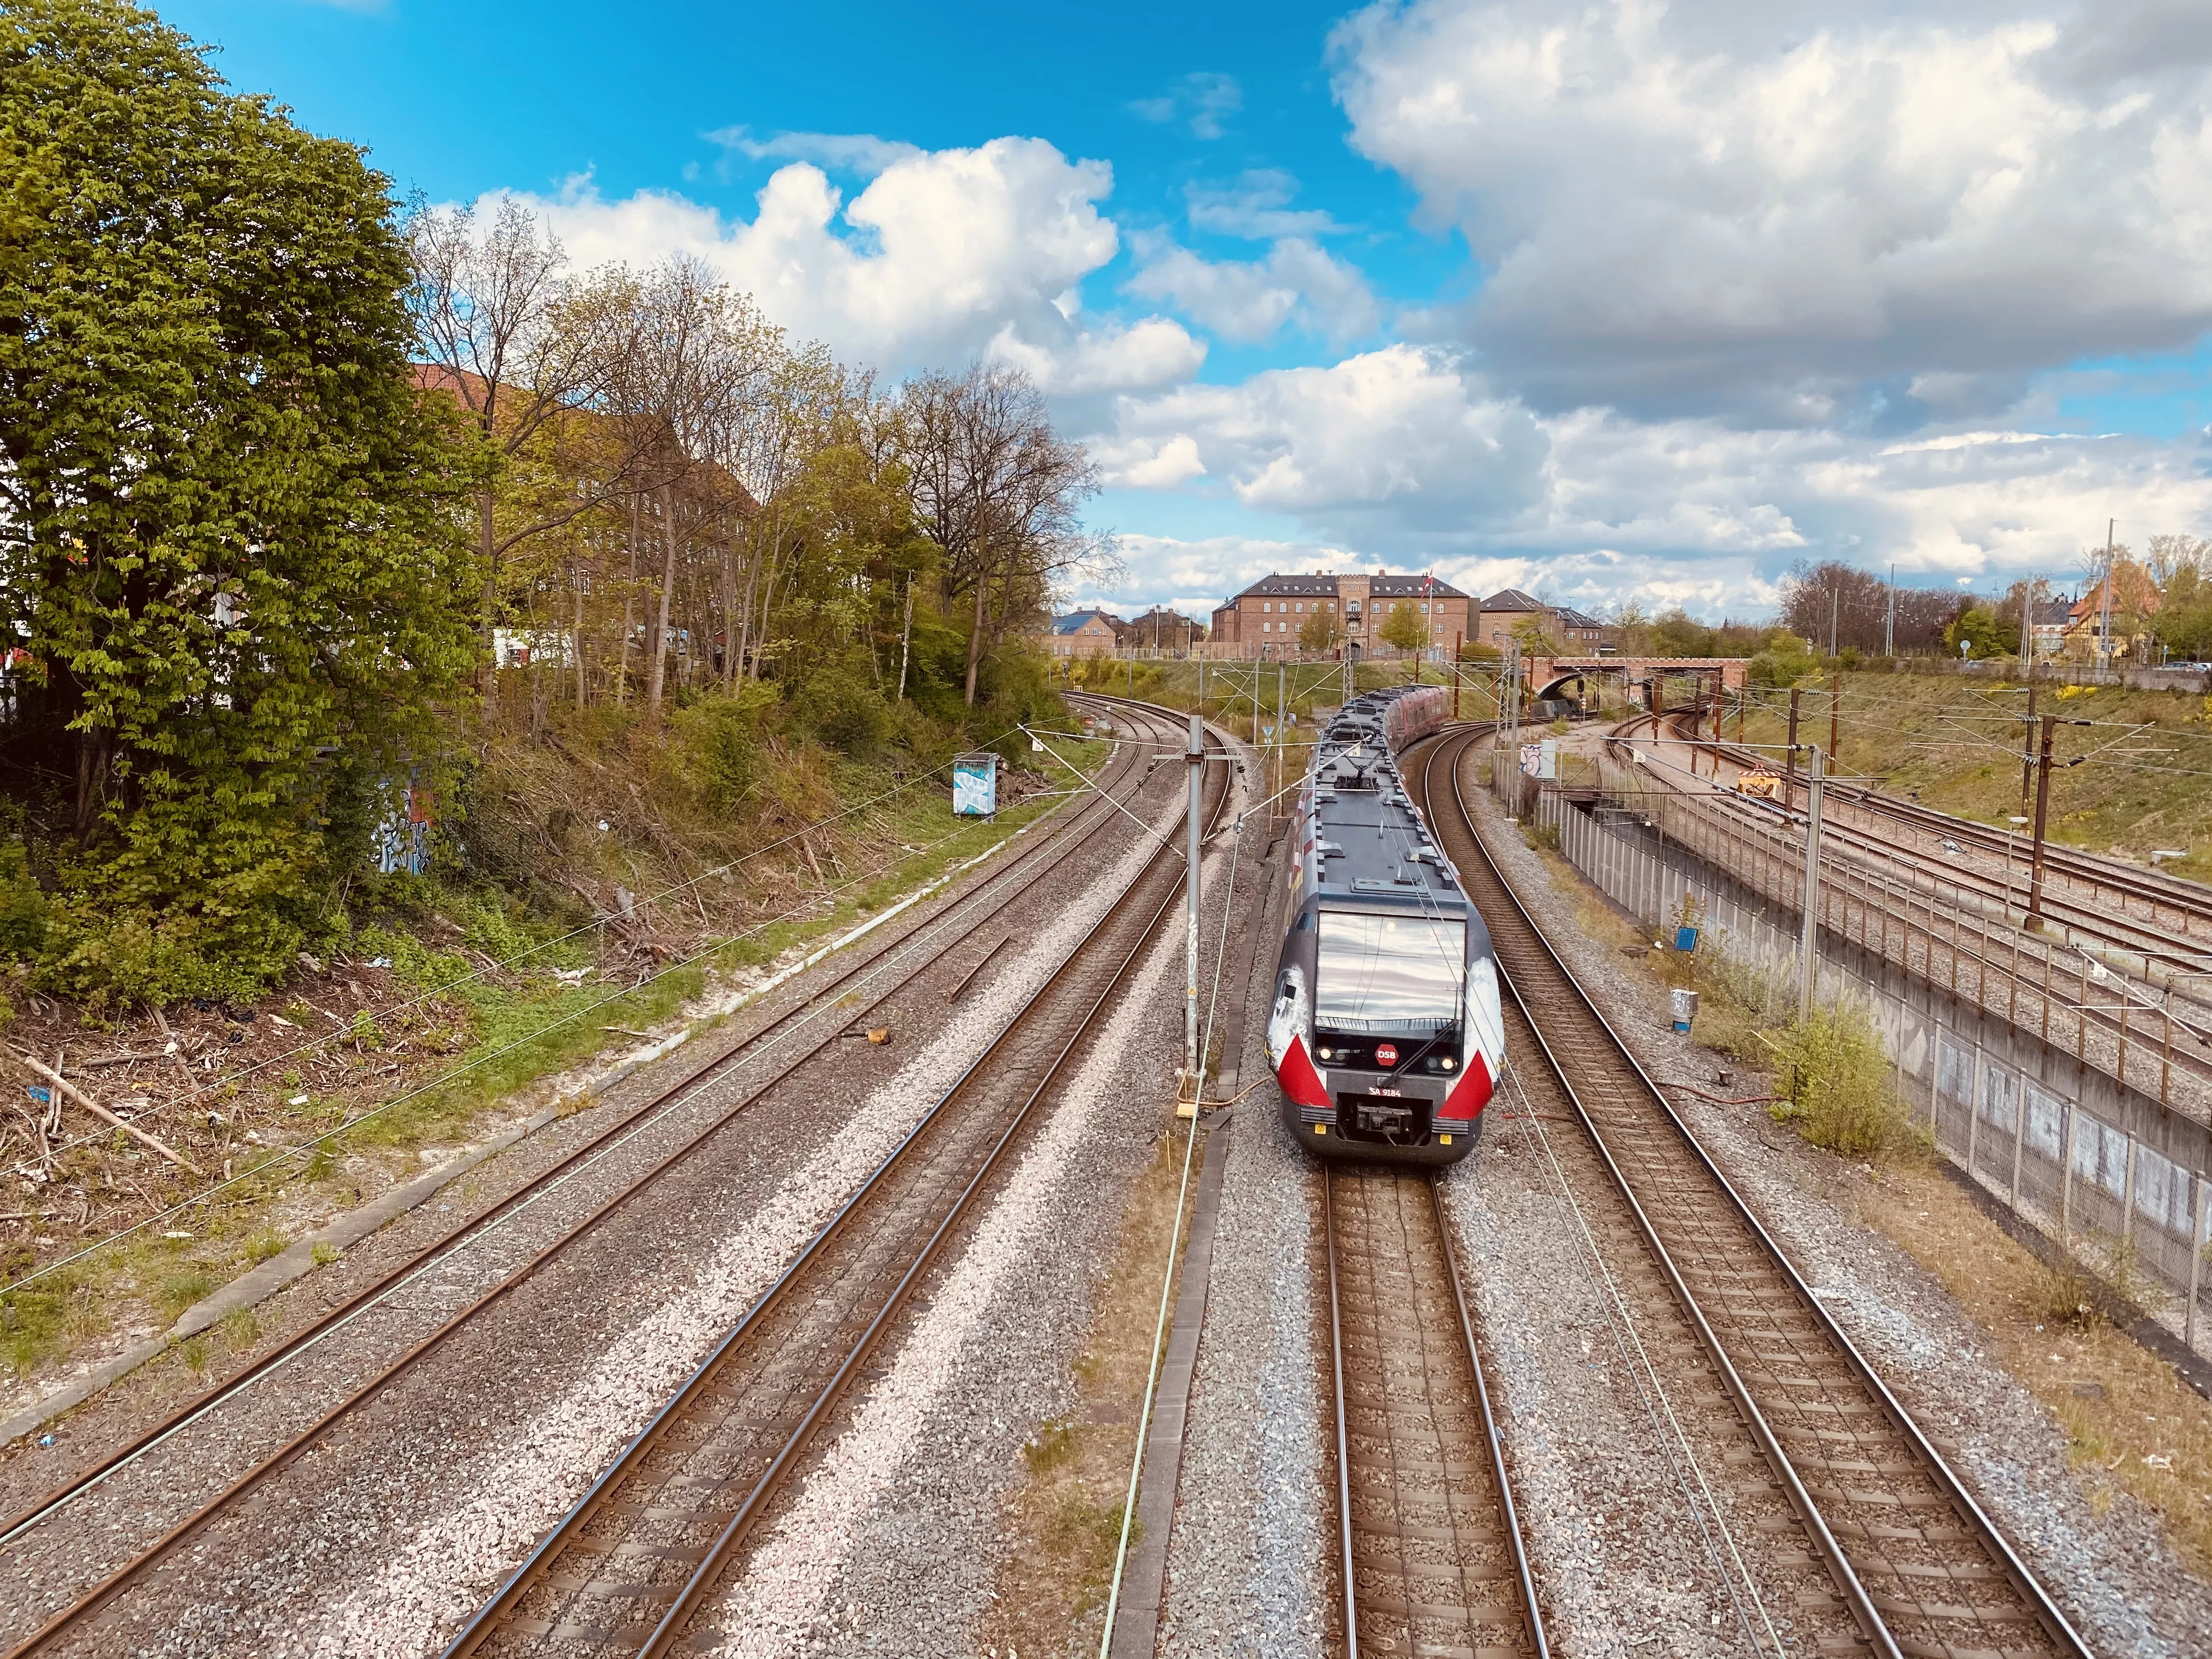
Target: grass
[(494, 1035), (1065, 1520), (1956, 744), (2131, 1424)]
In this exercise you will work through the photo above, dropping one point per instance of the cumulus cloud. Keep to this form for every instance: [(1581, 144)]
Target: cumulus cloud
[(1773, 210), (944, 255), (848, 152), (1407, 457), (1202, 99), (1299, 281), (1257, 207)]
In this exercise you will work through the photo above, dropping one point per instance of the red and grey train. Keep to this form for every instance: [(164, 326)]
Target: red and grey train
[(1385, 1035)]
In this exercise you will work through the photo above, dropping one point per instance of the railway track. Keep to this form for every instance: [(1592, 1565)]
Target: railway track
[(1918, 1567), (2097, 908), (1430, 1547), (936, 945), (633, 1567)]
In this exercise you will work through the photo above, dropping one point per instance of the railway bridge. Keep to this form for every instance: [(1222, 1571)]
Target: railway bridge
[(1549, 676)]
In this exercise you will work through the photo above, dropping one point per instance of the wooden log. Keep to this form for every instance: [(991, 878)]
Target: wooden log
[(41, 1069)]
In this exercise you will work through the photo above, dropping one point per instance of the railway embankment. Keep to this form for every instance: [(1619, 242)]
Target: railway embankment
[(2084, 1448)]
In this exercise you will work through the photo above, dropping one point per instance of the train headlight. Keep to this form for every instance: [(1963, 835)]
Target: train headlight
[(1448, 1062), (1326, 1053)]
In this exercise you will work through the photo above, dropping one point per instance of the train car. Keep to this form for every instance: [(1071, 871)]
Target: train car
[(1385, 1034)]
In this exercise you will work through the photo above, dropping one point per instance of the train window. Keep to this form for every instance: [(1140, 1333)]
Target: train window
[(1387, 974)]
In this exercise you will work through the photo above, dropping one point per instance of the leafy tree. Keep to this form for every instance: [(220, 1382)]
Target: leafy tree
[(1320, 632), (1676, 632), (1404, 628), (1984, 632), (228, 552), (1786, 660)]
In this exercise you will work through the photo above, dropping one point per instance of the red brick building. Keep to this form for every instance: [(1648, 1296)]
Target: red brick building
[(1264, 620)]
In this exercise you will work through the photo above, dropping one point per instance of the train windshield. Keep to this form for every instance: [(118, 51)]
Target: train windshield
[(1390, 976)]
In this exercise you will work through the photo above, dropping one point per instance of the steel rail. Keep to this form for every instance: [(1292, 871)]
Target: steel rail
[(505, 1601), (2104, 1019), (2178, 951), (464, 1234), (1504, 1513), (1623, 1063)]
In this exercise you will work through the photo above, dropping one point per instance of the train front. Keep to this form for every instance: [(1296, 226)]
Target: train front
[(1385, 1035)]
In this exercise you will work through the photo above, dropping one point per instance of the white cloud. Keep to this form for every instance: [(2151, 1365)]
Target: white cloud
[(1200, 98), (1765, 208), (1256, 207), (944, 255), (1393, 436), (1406, 457), (851, 151), (1250, 301)]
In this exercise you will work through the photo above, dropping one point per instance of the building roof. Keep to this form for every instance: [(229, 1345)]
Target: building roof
[(1512, 599), (1571, 617), (1075, 619), (1322, 586)]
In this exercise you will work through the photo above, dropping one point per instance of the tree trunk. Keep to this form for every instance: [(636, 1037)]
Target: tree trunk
[(976, 632), (576, 634), (486, 534), (657, 675), (630, 621), (729, 610)]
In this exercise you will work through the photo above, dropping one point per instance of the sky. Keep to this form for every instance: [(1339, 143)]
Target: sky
[(1607, 300)]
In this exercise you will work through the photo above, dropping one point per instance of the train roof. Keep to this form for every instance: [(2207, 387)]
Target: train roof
[(1372, 845)]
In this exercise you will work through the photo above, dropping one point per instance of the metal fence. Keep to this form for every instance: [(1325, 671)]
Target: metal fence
[(2099, 1189)]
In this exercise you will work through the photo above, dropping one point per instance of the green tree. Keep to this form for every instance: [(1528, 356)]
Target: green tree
[(1982, 632), (229, 549), (1786, 660), (1405, 629), (1319, 633)]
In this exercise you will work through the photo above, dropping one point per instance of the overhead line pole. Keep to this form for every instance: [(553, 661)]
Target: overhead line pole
[(1196, 762), (1809, 943)]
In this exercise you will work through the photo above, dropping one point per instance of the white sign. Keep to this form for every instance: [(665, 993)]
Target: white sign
[(1532, 759), (976, 786)]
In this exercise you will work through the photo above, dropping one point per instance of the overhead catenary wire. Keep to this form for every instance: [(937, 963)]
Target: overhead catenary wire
[(285, 1154)]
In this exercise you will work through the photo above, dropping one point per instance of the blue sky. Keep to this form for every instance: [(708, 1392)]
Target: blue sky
[(1600, 300)]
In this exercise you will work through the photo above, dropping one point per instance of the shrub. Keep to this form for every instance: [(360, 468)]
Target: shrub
[(1835, 1078)]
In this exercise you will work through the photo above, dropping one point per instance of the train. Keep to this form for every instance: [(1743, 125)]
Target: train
[(1385, 1033)]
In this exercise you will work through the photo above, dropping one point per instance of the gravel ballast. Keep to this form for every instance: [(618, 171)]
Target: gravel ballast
[(2102, 1556)]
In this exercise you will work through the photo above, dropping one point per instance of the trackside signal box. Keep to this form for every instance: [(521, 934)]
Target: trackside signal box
[(976, 786)]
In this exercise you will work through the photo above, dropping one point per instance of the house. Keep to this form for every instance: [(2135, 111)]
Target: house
[(1166, 632), (1502, 612), (1577, 629), (1266, 619), (1083, 633)]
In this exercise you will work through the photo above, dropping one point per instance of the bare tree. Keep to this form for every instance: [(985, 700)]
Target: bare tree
[(1001, 494)]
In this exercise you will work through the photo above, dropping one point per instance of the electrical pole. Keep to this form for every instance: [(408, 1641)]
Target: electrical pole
[(2105, 622), (2027, 753), (1835, 715), (1835, 609), (2042, 813), (1456, 638), (1889, 627), (1809, 944), (1196, 759), (1790, 757)]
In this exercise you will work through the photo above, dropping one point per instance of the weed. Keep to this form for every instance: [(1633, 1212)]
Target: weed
[(323, 1253), (180, 1291), (2061, 1297), (196, 1355), (1837, 1081), (1053, 1445), (261, 1245), (240, 1327)]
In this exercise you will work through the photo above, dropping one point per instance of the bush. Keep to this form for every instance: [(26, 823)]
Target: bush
[(1835, 1078)]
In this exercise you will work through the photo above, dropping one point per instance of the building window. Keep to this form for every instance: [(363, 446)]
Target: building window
[(1267, 607)]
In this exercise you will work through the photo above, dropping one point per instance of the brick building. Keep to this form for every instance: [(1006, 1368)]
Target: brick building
[(1167, 632), (1083, 633), (1265, 619), (1502, 612)]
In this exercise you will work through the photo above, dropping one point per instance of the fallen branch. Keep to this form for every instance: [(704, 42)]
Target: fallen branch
[(40, 1068)]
